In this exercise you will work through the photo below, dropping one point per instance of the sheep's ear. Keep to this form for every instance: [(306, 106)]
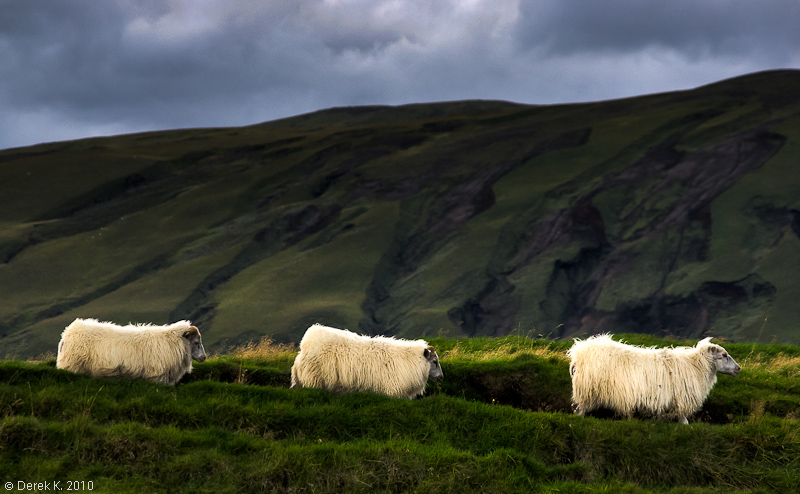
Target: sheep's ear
[(705, 341), (192, 331), (427, 353)]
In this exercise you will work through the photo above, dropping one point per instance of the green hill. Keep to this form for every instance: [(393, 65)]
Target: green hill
[(672, 214), (499, 422)]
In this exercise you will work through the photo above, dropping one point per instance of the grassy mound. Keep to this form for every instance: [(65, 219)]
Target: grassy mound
[(499, 422)]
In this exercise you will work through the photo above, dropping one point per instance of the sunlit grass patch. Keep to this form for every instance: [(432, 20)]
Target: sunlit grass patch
[(507, 348), (265, 348), (787, 365)]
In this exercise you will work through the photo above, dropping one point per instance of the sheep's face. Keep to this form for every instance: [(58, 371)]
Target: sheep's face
[(192, 335), (435, 371), (723, 361)]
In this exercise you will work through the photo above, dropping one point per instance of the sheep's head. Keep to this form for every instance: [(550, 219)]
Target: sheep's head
[(195, 343), (435, 371), (717, 355)]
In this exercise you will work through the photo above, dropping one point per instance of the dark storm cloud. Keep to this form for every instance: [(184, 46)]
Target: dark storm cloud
[(695, 28), (73, 68)]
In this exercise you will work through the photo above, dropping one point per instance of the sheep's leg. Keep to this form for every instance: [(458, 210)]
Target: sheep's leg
[(683, 420)]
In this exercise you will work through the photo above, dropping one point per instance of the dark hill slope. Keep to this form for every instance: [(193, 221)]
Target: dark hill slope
[(674, 213)]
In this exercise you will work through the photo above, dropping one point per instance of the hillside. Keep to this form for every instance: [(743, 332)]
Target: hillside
[(499, 422), (671, 214)]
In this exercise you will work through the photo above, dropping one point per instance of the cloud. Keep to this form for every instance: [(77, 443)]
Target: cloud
[(78, 68), (697, 29)]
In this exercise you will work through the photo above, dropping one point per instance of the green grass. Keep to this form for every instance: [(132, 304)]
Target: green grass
[(497, 423)]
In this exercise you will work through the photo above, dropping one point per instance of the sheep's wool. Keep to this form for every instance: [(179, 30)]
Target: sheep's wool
[(342, 361), (103, 349), (666, 382)]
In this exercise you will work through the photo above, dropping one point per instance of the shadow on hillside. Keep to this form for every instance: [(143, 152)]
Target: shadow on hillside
[(526, 384), (531, 385), (227, 372), (709, 414)]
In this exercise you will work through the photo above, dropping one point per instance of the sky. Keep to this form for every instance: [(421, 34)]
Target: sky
[(79, 68)]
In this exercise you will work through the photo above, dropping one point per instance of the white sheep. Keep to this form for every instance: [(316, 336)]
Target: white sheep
[(161, 354), (665, 382), (341, 361)]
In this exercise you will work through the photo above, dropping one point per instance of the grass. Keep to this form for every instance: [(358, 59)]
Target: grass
[(497, 423)]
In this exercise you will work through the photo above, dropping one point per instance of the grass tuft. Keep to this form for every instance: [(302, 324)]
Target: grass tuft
[(504, 349), (265, 348)]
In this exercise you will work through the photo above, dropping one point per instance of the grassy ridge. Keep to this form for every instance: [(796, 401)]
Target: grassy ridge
[(497, 423)]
